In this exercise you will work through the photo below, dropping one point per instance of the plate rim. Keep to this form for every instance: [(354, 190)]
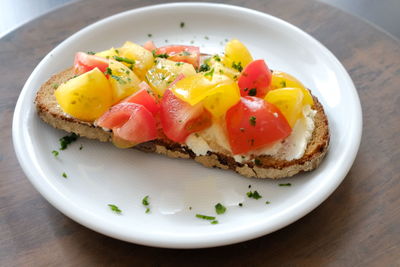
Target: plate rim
[(319, 197)]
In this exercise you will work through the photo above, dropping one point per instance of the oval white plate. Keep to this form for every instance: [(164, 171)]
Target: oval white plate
[(101, 174)]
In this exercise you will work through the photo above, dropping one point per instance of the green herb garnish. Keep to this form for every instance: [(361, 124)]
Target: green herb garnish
[(217, 58), (55, 153), (205, 217), (288, 184), (80, 147), (240, 204), (165, 55), (206, 37), (55, 85), (186, 53), (214, 222), (67, 140), (145, 201), (220, 209), (64, 175), (267, 202), (237, 66), (124, 59), (179, 64), (182, 24), (204, 67), (108, 71), (252, 121), (149, 35), (283, 84), (90, 53), (252, 91), (114, 208), (254, 194), (257, 162)]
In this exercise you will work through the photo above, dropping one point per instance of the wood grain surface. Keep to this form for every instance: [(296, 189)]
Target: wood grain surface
[(358, 225)]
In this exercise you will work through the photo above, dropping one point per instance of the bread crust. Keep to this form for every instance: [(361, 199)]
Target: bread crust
[(266, 167)]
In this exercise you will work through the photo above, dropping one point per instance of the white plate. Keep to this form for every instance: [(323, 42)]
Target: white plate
[(101, 174)]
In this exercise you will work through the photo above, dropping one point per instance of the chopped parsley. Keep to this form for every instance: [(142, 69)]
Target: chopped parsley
[(149, 35), (182, 24), (67, 140), (179, 64), (283, 84), (114, 208), (205, 217), (55, 85), (240, 204), (214, 222), (288, 184), (108, 71), (186, 53), (267, 202), (64, 175), (252, 91), (254, 194), (165, 55), (220, 209), (257, 162), (237, 66), (249, 186), (252, 121), (204, 67), (55, 153), (145, 201), (206, 37), (124, 59), (217, 58), (90, 53), (210, 73)]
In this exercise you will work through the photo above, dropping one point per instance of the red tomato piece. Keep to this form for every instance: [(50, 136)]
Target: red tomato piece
[(144, 98), (181, 53), (131, 122), (254, 123), (149, 45), (255, 79), (179, 119), (84, 63)]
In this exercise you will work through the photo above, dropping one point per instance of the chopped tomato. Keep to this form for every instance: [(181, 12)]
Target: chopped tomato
[(84, 63), (255, 79), (254, 123), (149, 45), (130, 122), (181, 53), (145, 98), (179, 119)]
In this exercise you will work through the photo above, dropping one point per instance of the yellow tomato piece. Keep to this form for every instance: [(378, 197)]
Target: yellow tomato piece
[(165, 71), (282, 79), (143, 58), (123, 81), (226, 96), (85, 97), (219, 68), (289, 101), (195, 88), (236, 54), (109, 54)]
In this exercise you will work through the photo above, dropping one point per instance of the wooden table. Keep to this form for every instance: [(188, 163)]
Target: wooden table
[(359, 224)]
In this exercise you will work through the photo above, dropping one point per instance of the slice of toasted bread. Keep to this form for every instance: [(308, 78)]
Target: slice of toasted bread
[(266, 167)]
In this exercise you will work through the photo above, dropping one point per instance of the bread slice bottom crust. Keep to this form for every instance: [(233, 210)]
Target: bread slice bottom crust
[(266, 167)]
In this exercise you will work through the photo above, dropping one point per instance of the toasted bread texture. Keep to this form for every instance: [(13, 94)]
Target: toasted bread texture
[(264, 167)]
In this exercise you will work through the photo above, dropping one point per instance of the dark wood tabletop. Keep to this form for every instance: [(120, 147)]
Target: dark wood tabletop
[(358, 225)]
